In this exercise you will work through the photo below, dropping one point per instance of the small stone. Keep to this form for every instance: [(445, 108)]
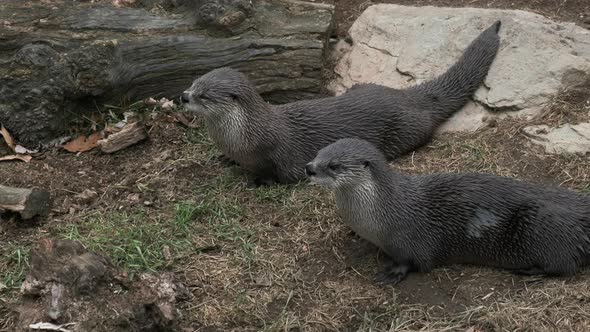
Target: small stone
[(54, 311), (133, 198), (166, 253), (148, 203), (87, 196), (492, 122)]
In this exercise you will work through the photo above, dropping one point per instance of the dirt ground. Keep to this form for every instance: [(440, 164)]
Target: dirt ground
[(278, 258)]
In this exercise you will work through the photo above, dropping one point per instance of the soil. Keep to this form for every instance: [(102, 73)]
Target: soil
[(279, 258)]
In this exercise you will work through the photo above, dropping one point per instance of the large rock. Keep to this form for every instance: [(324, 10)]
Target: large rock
[(566, 139), (400, 46)]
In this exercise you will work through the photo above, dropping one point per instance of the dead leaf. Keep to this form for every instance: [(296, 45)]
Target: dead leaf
[(181, 117), (23, 157), (168, 105), (83, 143), (166, 118), (7, 138)]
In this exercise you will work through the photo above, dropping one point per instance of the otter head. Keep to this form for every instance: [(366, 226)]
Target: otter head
[(219, 93), (348, 162)]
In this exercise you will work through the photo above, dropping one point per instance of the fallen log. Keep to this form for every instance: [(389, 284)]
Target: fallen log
[(63, 60), (26, 202)]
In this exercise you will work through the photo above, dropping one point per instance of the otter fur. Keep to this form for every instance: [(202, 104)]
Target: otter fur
[(425, 221), (274, 142)]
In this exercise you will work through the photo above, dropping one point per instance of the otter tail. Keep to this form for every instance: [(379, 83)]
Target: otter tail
[(448, 93)]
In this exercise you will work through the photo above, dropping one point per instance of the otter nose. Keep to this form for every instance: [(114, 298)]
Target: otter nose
[(184, 98), (309, 169)]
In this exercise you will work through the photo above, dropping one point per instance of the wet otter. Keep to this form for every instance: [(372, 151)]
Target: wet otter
[(275, 141), (425, 221)]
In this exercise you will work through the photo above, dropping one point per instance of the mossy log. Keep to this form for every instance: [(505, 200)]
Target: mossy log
[(61, 60)]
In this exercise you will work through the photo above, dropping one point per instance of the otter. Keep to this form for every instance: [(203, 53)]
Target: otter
[(421, 222), (274, 142)]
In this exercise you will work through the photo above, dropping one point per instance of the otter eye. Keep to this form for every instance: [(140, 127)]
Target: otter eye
[(334, 167), (366, 163), (204, 97)]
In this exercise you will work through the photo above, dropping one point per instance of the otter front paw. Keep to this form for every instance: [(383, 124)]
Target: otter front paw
[(391, 274), (531, 271), (227, 161), (261, 182)]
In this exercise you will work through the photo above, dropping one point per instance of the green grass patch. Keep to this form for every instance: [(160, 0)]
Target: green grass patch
[(223, 219), (477, 152), (274, 194), (284, 195), (17, 263), (223, 214), (200, 137), (134, 241)]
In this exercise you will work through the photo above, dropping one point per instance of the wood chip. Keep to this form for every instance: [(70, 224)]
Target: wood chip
[(23, 157), (50, 327), (132, 133)]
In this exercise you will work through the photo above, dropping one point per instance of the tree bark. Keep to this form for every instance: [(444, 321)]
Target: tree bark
[(27, 202), (60, 61)]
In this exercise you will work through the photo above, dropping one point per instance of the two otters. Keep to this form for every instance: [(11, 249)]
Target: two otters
[(419, 222)]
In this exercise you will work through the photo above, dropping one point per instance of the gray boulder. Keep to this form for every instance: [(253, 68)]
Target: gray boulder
[(399, 46), (565, 139)]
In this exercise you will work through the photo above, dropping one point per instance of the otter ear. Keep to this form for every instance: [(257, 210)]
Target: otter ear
[(366, 163)]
